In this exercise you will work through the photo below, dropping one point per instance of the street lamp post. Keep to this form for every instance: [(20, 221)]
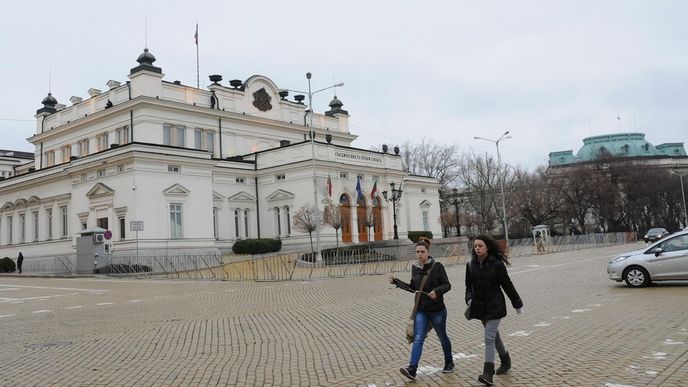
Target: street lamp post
[(683, 194), (456, 201), (396, 196), (309, 122), (501, 182)]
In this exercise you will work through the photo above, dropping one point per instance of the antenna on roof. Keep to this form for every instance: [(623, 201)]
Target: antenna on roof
[(618, 119), (334, 85), (146, 34)]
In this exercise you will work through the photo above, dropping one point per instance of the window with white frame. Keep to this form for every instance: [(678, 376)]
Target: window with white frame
[(204, 139), (120, 168), (360, 177), (236, 223), (64, 221), (240, 180), (49, 215), (122, 135), (102, 142), (50, 158), (35, 226), (376, 179), (101, 173), (174, 135), (422, 189), (246, 229), (82, 148), (10, 227), (122, 228), (174, 168), (176, 220), (288, 218), (280, 177), (343, 175), (66, 153), (278, 221), (426, 225), (22, 228), (216, 226)]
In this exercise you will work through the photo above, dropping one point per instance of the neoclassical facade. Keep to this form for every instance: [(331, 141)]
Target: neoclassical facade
[(199, 169)]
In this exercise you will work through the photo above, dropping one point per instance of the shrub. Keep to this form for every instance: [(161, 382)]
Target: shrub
[(7, 265), (257, 246), (415, 235), (349, 255)]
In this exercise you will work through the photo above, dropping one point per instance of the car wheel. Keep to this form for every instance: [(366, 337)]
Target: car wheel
[(636, 277)]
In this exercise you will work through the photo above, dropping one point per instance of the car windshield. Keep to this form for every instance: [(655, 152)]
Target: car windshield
[(656, 231)]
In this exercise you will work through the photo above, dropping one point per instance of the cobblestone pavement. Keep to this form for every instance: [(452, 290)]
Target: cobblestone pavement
[(579, 329)]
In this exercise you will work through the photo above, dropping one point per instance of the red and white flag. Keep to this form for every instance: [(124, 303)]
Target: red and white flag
[(329, 186), (372, 193)]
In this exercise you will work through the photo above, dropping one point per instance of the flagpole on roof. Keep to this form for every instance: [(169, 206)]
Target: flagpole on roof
[(198, 76)]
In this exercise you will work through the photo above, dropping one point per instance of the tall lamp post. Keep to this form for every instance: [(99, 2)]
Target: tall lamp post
[(456, 201), (683, 193), (501, 182), (312, 134), (394, 198)]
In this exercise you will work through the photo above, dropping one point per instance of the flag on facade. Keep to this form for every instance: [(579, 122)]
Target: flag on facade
[(358, 188), (372, 193), (196, 34), (329, 186)]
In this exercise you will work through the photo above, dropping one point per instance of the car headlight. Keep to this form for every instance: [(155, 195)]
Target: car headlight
[(647, 236), (619, 258)]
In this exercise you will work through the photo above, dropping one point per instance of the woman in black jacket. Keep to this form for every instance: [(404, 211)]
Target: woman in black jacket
[(431, 309), (486, 276)]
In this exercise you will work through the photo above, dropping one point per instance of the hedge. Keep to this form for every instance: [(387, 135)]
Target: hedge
[(7, 265), (257, 246), (415, 235)]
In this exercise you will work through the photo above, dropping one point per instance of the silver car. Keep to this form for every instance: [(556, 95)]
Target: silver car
[(663, 260)]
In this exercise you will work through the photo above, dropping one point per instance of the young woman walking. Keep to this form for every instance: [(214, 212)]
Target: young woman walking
[(431, 309), (486, 276)]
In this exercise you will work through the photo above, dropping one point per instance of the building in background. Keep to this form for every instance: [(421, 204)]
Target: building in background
[(201, 168)]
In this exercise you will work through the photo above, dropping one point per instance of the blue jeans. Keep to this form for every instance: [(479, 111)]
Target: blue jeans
[(439, 324)]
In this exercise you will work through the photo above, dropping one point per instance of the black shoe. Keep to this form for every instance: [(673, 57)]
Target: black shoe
[(409, 372), (506, 364), (448, 368), (488, 374)]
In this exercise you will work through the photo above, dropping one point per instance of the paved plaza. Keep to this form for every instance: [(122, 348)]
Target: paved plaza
[(579, 329)]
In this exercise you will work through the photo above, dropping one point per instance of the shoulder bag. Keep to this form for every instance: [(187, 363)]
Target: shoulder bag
[(411, 324)]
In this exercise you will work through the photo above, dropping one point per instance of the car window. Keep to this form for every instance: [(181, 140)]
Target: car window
[(675, 244)]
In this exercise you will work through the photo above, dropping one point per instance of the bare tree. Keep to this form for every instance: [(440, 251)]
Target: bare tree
[(533, 199), (440, 161), (333, 218), (480, 175), (304, 220)]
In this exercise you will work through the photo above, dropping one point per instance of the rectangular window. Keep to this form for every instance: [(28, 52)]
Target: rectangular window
[(425, 221), (205, 140), (376, 179), (288, 218), (236, 223), (101, 173), (122, 228), (281, 176), (174, 168), (64, 221), (210, 142), (279, 221), (360, 177), (174, 135), (82, 148), (22, 228), (50, 158), (10, 230), (66, 153), (49, 212), (35, 226), (343, 175), (240, 180), (120, 168), (246, 233), (102, 142), (83, 178), (215, 224), (102, 223), (175, 220), (422, 189), (122, 135)]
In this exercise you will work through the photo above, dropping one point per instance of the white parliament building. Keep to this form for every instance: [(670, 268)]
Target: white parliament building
[(198, 169)]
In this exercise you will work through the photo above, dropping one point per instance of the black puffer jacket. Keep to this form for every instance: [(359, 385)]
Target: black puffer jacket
[(483, 282), (437, 281)]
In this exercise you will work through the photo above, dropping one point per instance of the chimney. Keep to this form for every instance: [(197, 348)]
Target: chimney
[(93, 92), (75, 100)]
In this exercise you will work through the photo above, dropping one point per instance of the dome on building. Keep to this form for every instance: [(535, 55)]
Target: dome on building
[(616, 145)]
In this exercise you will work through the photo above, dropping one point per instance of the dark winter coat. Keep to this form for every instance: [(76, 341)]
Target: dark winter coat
[(437, 281), (483, 283), (20, 259)]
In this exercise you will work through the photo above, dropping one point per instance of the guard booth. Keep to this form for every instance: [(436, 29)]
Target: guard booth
[(541, 238), (90, 250)]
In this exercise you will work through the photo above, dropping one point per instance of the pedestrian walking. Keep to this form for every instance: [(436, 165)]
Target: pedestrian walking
[(20, 261), (539, 243), (486, 276), (429, 283)]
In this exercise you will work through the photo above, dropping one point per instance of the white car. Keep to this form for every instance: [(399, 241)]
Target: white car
[(664, 260)]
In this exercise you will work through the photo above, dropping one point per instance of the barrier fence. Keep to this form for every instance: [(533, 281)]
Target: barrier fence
[(346, 262)]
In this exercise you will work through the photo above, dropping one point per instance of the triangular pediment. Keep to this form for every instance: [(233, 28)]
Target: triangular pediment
[(242, 197), (7, 206), (99, 190), (425, 204), (33, 200), (176, 190), (280, 194), (217, 197), (20, 203)]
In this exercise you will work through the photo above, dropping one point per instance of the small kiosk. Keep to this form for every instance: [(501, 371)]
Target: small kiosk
[(541, 238), (90, 250)]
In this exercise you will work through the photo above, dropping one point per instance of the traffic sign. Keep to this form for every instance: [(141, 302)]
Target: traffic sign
[(107, 234), (136, 225)]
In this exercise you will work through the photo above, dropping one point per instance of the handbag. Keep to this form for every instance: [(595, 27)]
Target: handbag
[(411, 324)]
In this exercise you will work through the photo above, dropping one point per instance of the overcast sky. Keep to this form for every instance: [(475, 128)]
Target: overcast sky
[(551, 72)]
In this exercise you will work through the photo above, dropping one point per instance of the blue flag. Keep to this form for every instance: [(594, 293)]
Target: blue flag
[(358, 188)]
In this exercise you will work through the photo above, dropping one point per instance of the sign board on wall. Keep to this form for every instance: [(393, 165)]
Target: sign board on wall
[(136, 225)]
